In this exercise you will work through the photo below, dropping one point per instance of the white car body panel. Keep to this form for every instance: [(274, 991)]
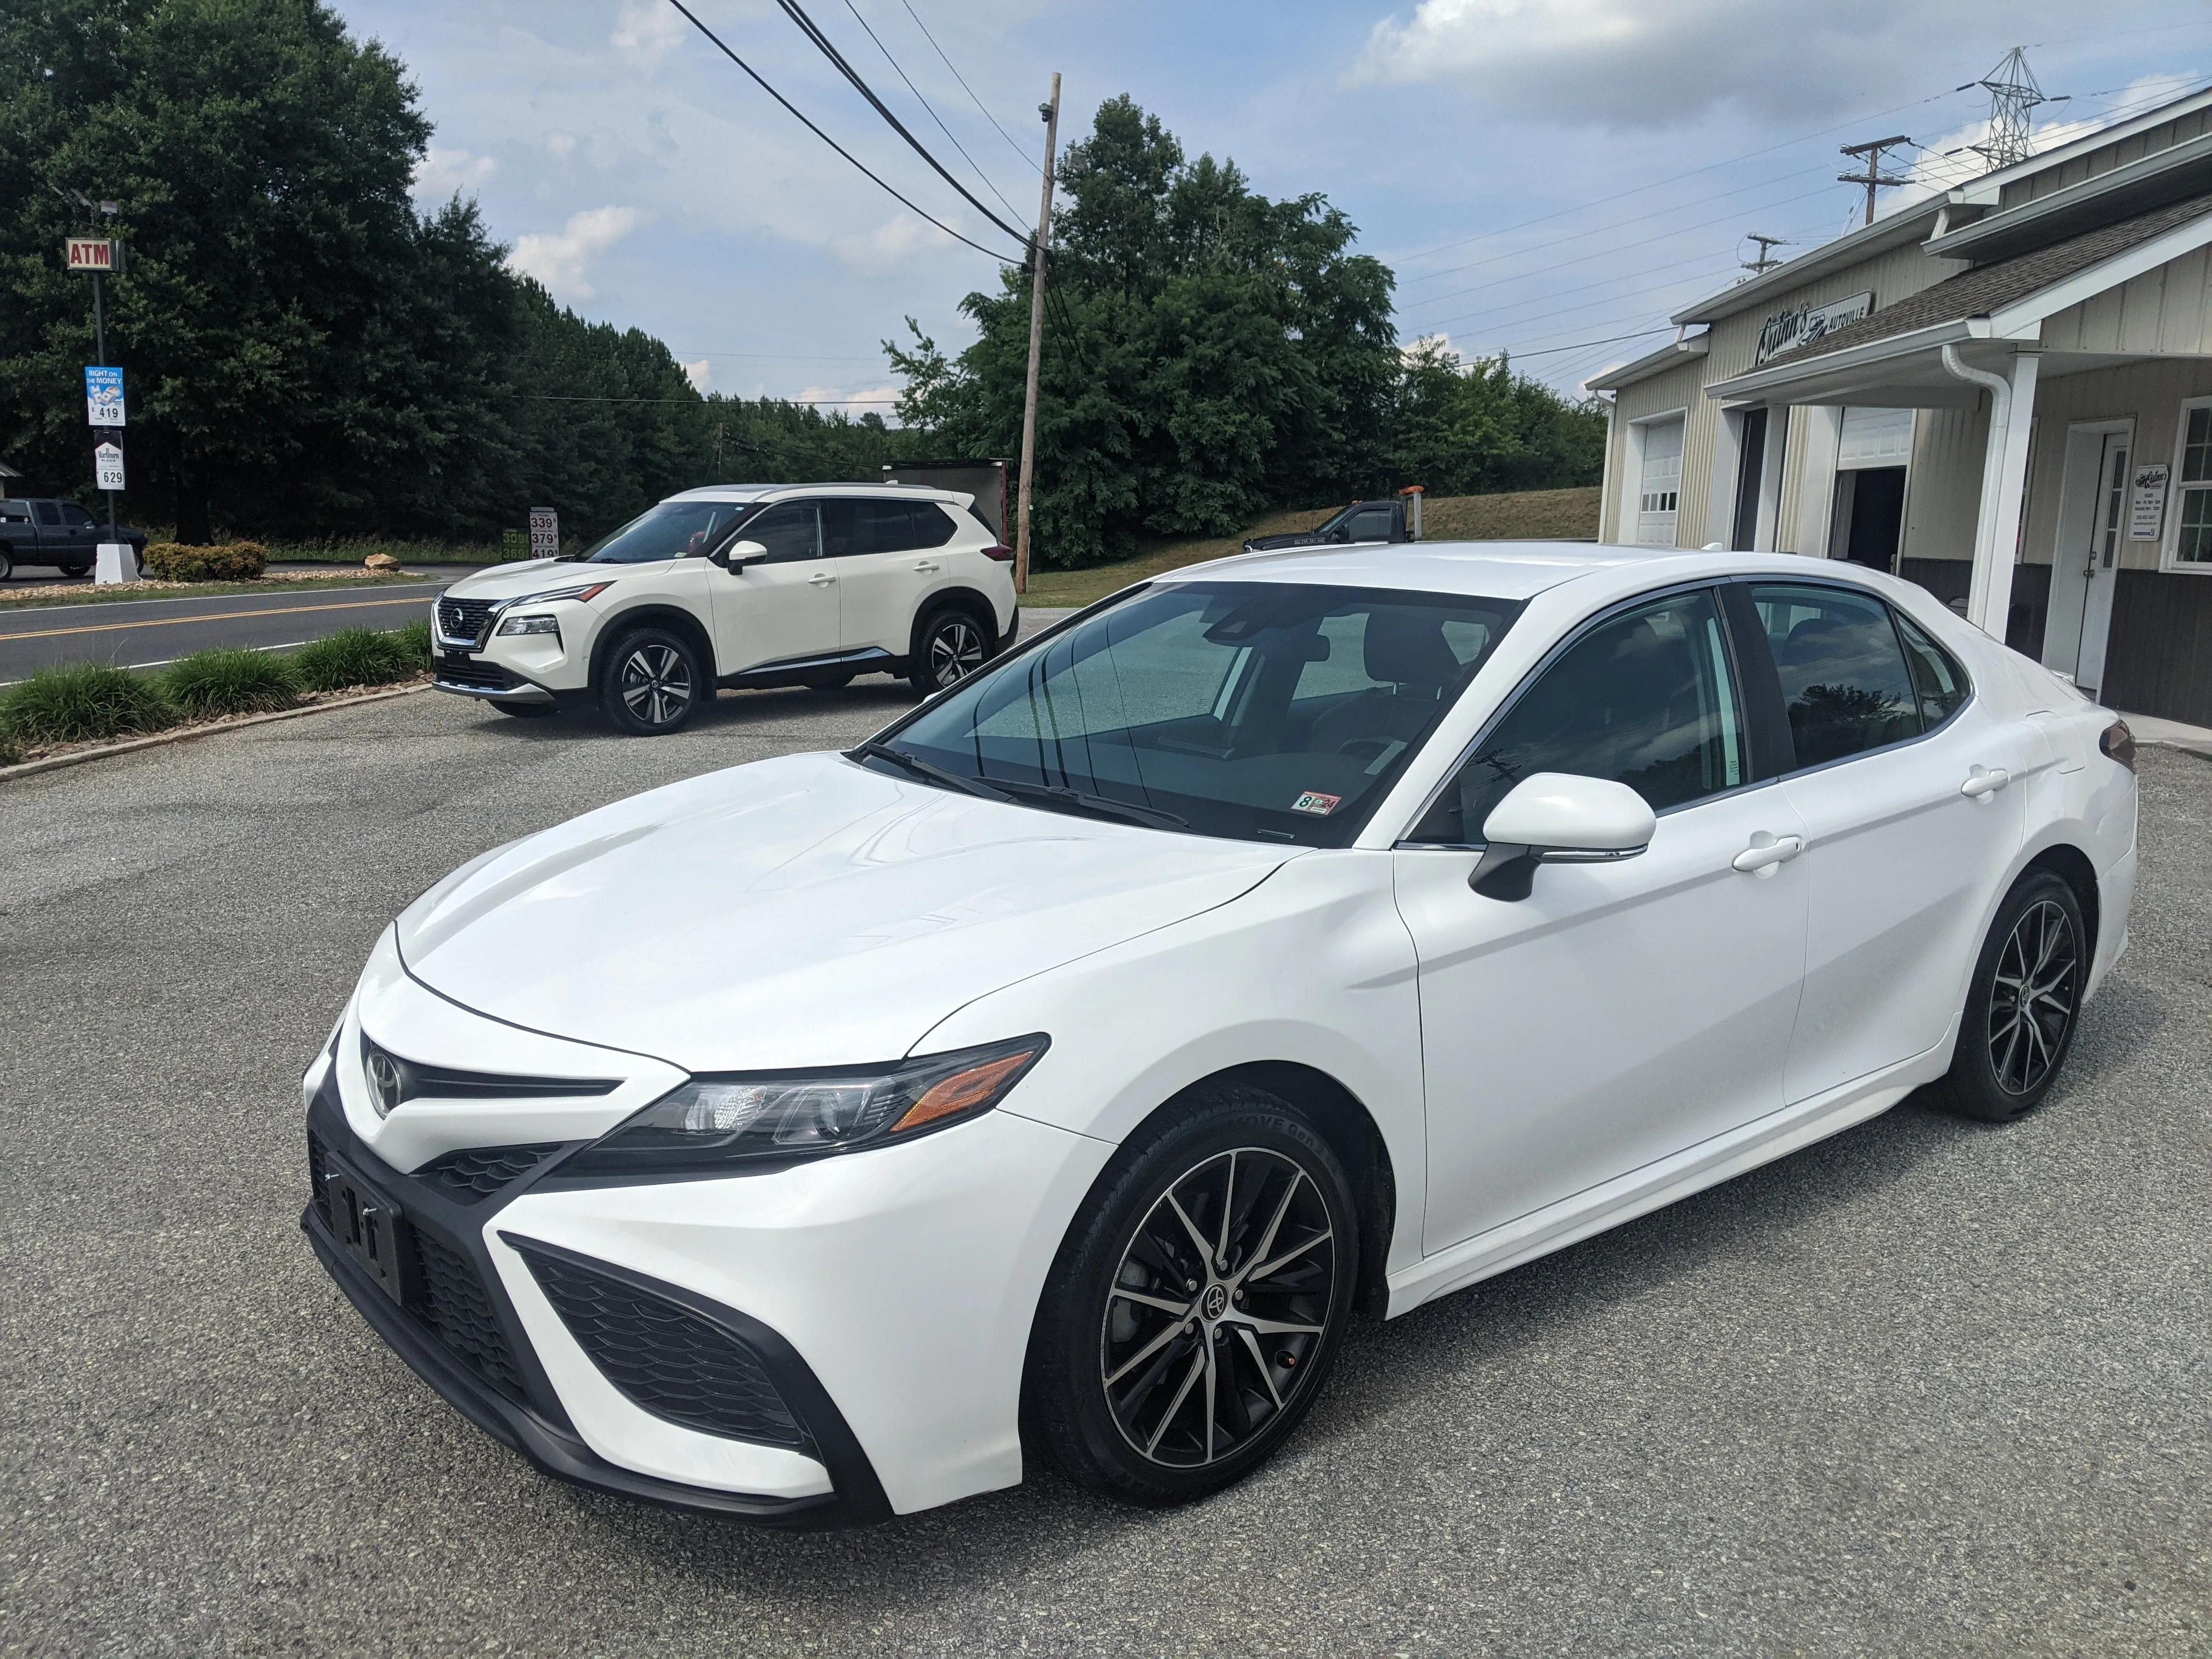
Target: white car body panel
[(1533, 1071)]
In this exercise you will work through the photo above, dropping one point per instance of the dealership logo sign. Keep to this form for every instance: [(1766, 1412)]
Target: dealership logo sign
[(1786, 331)]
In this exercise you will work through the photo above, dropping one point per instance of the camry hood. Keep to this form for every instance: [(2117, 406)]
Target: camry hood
[(808, 911)]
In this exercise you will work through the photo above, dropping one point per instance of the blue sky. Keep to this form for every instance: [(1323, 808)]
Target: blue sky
[(1544, 175)]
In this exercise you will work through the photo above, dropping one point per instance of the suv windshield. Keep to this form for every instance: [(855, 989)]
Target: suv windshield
[(674, 530), (1259, 710)]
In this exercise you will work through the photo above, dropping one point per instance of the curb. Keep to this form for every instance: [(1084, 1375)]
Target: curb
[(185, 734)]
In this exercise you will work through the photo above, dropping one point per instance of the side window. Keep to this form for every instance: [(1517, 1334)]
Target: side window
[(1937, 678), (1372, 525), (76, 516), (790, 531), (852, 525), (1844, 678), (14, 512), (929, 524), (1647, 699), (47, 511)]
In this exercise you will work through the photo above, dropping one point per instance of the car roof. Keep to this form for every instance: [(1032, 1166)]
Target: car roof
[(763, 492)]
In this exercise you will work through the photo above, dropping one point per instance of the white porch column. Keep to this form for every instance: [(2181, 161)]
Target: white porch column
[(2004, 481)]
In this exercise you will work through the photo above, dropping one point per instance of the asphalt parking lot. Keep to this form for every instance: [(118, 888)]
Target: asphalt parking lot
[(1927, 1387)]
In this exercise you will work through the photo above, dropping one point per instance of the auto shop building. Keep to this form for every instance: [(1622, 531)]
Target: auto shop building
[(2004, 393)]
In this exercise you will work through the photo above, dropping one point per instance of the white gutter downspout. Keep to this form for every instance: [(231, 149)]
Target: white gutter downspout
[(2004, 479)]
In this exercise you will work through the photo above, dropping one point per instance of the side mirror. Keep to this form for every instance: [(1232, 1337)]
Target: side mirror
[(737, 554), (1557, 817)]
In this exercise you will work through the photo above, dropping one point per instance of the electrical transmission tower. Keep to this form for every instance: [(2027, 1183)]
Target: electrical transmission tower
[(1873, 178), (1766, 261), (2013, 95)]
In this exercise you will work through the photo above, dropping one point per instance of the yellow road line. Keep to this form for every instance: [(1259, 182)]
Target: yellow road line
[(211, 616)]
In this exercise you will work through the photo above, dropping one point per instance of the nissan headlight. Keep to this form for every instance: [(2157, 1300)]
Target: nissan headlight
[(537, 625), (712, 1122)]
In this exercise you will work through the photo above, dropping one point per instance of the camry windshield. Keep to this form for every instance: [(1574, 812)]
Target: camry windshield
[(674, 530), (1273, 711)]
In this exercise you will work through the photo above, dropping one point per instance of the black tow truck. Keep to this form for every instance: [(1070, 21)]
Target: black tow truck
[(1388, 520), (58, 533)]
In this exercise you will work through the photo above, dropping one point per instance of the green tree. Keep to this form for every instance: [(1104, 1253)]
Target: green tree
[(1477, 428)]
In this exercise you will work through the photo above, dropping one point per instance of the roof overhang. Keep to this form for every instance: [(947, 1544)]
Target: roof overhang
[(1900, 364), (1671, 355), (1895, 230), (2147, 182)]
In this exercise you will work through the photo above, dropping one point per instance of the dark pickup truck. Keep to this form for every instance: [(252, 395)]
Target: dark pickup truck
[(1362, 521), (58, 533)]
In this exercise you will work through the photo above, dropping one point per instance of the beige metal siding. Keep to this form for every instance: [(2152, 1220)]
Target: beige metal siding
[(2169, 310), (1945, 490), (2150, 393), (1679, 388), (2105, 159)]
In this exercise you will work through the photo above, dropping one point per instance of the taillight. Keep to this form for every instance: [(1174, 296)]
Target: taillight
[(1000, 551), (2119, 743)]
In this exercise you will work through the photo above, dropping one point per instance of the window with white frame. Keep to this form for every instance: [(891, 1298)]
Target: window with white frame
[(2192, 505)]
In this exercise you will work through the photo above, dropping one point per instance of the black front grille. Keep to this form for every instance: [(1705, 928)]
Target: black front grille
[(664, 1357), (465, 619), (450, 1299), (477, 1172), (319, 1170), (470, 670)]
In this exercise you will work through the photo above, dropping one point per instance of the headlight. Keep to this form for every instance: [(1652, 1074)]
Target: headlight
[(586, 590), (721, 1120), (531, 625)]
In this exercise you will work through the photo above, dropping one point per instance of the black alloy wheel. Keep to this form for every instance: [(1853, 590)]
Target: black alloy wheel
[(2022, 1003), (1195, 1312), (949, 645), (652, 682)]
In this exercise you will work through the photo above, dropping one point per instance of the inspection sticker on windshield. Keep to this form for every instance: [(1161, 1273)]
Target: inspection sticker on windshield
[(1315, 802)]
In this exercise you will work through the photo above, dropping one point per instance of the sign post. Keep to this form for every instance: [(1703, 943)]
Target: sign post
[(545, 533), (103, 387)]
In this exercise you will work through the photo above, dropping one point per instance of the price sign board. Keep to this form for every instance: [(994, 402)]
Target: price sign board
[(91, 253), (103, 397), (2147, 504), (107, 465), (545, 533)]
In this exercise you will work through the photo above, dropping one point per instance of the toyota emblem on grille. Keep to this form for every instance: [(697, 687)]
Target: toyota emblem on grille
[(387, 1085)]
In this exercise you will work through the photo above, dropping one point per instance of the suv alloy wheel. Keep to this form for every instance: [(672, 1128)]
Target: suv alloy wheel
[(652, 682), (949, 645)]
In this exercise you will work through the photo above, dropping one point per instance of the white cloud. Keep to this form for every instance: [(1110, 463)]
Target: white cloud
[(442, 172), (1640, 64), (561, 145), (698, 373), (644, 31), (855, 401), (561, 259), (890, 244)]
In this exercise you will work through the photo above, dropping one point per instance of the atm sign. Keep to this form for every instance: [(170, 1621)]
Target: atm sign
[(91, 253)]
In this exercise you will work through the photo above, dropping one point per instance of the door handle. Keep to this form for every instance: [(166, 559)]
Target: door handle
[(1766, 852), (821, 578), (927, 567), (1983, 782)]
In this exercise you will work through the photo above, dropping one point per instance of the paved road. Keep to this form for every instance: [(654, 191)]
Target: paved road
[(141, 633), (1926, 1388)]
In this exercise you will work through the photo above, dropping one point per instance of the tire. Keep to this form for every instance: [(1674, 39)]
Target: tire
[(527, 711), (74, 571), (1117, 1388), (2011, 1045), (7, 565), (949, 644), (652, 682)]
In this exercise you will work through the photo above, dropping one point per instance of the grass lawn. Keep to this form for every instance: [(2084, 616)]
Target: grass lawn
[(31, 598), (1530, 515)]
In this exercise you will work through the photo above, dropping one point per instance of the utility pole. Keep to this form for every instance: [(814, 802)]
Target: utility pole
[(1873, 178), (1766, 261), (1051, 113)]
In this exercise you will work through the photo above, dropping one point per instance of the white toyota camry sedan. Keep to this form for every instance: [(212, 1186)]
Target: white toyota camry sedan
[(1052, 1075)]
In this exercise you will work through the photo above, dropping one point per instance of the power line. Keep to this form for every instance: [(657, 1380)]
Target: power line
[(925, 103), (807, 27), (970, 91), (828, 140)]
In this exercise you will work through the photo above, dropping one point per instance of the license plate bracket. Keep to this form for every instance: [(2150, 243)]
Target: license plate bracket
[(371, 1231)]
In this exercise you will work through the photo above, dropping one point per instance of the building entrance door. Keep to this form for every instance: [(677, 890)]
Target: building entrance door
[(2092, 502), (1869, 516)]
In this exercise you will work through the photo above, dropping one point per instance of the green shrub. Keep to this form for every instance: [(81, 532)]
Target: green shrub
[(82, 699), (355, 656), (415, 641), (235, 561), (231, 681)]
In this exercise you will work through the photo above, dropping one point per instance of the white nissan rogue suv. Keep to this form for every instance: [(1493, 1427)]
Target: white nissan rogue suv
[(741, 585)]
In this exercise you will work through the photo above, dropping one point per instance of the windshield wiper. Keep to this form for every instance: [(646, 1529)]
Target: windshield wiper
[(922, 768), (1102, 805)]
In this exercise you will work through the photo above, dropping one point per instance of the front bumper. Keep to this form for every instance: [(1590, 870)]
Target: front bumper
[(466, 675), (487, 1366)]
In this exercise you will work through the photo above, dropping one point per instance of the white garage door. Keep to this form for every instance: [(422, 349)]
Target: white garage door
[(1660, 492)]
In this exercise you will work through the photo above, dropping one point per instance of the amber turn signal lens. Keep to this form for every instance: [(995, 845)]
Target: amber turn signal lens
[(2118, 743), (964, 1092)]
